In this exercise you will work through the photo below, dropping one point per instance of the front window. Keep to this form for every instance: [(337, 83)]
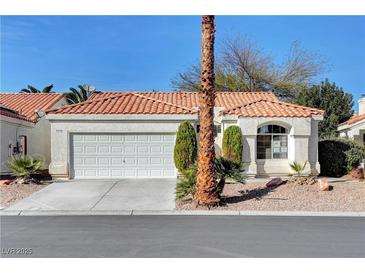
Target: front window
[(272, 142)]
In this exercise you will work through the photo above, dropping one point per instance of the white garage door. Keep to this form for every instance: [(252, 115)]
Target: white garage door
[(122, 155)]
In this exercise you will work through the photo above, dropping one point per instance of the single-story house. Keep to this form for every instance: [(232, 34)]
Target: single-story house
[(24, 129), (354, 128), (132, 134)]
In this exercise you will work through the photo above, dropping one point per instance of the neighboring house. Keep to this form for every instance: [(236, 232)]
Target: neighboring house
[(132, 134), (354, 128), (23, 131)]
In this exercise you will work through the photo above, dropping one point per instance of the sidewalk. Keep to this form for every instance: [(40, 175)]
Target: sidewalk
[(177, 213)]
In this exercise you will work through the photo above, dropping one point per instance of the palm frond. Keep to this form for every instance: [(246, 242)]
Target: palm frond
[(297, 167), (24, 166), (48, 89)]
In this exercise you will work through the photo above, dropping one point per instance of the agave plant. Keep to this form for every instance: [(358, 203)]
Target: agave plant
[(24, 166), (298, 168)]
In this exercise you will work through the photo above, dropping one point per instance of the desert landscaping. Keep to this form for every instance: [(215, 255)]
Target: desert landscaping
[(342, 195)]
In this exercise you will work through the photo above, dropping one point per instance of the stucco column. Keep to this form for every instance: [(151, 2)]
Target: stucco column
[(313, 149), (58, 167), (249, 155)]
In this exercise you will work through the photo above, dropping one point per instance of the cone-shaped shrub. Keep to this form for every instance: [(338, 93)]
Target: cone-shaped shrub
[(185, 150), (232, 144)]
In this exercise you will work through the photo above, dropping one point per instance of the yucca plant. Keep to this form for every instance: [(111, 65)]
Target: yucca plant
[(24, 166), (298, 168)]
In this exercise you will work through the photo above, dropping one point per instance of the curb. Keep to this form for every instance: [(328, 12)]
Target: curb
[(178, 213)]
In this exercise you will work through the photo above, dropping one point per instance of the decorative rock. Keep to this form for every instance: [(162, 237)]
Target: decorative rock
[(275, 182), (357, 173), (323, 184), (5, 182)]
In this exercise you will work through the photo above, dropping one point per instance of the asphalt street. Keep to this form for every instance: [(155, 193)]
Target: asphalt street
[(182, 236)]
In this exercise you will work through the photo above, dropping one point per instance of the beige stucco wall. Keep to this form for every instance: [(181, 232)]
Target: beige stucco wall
[(61, 130), (10, 130), (38, 137), (302, 139), (302, 145), (354, 132)]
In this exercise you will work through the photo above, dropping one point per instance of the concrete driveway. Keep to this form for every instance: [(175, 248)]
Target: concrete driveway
[(125, 194)]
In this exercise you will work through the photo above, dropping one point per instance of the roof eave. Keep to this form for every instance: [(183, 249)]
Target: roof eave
[(121, 117)]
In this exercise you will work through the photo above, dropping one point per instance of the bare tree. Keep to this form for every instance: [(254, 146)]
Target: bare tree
[(243, 66)]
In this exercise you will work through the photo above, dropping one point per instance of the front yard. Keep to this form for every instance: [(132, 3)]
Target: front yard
[(11, 193), (254, 195)]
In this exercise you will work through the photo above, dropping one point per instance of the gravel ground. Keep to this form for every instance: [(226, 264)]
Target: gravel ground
[(10, 194), (345, 196)]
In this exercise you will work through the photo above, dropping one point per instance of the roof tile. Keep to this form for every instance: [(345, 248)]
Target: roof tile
[(268, 108), (245, 104), (124, 103), (354, 119), (27, 103)]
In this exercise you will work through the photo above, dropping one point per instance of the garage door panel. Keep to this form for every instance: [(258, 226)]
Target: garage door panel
[(90, 138), (116, 138), (156, 149), (116, 161), (123, 155), (142, 150), (103, 161), (116, 149), (131, 149), (130, 138), (91, 149), (90, 161), (103, 149)]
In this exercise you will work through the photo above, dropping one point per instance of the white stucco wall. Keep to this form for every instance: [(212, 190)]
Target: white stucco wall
[(354, 132), (61, 130), (10, 130), (302, 145), (38, 136), (302, 138)]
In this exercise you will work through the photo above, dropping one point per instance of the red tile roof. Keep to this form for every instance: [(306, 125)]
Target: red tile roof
[(354, 119), (247, 104), (26, 104), (124, 103), (191, 100), (4, 111), (268, 108)]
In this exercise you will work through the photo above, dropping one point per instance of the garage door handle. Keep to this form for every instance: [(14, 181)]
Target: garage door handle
[(123, 161)]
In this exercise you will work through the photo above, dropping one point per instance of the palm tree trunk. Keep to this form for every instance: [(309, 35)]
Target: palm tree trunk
[(206, 187)]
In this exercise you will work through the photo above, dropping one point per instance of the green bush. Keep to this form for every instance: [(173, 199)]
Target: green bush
[(185, 151), (354, 157), (225, 169), (232, 144), (24, 166), (298, 168), (338, 156)]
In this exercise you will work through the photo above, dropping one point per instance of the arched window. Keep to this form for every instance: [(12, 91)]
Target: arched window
[(272, 142)]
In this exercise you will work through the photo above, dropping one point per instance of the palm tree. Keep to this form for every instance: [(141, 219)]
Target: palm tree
[(32, 89), (74, 96), (206, 193)]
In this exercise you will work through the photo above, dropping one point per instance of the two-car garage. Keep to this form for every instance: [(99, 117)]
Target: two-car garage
[(117, 155)]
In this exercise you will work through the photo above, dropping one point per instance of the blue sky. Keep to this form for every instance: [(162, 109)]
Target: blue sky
[(146, 52)]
